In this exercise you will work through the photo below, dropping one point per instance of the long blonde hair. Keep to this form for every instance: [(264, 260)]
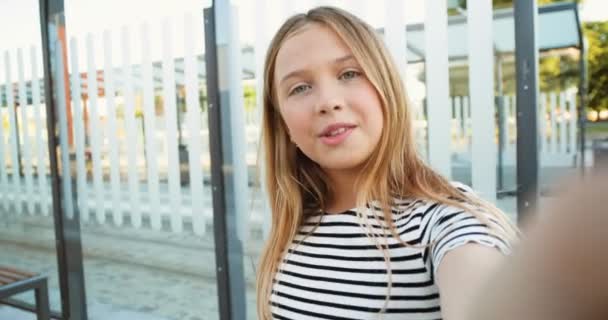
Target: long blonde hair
[(296, 186)]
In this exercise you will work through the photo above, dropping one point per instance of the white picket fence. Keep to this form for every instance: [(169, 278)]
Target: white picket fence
[(24, 149), (125, 143), (125, 157), (557, 122)]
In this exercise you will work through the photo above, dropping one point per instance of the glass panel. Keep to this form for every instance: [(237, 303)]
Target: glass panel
[(27, 236), (506, 125), (559, 78), (257, 23), (139, 158)]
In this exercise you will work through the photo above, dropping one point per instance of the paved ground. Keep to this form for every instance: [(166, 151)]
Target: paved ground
[(129, 273), (133, 273)]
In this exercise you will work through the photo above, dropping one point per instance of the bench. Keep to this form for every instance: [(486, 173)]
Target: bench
[(13, 281)]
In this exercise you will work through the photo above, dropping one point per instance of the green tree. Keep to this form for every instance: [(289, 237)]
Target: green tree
[(499, 4), (558, 70), (597, 37)]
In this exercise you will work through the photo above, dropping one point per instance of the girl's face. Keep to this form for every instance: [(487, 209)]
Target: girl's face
[(332, 111)]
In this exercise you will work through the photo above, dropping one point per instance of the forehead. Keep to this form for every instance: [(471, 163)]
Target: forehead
[(313, 45)]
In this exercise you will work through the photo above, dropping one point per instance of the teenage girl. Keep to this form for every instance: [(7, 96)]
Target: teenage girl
[(361, 227)]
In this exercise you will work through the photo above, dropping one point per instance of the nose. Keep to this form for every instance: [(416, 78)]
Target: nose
[(330, 99)]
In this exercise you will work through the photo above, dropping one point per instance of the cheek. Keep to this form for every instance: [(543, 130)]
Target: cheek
[(376, 124), (371, 110), (297, 121)]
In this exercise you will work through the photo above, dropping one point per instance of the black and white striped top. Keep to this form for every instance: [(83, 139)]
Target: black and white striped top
[(337, 272)]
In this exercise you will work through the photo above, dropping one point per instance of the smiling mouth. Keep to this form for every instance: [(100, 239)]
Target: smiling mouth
[(337, 136), (336, 129), (336, 132)]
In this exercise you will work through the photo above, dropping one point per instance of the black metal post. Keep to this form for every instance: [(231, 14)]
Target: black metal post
[(228, 246), (526, 59), (502, 138), (67, 230), (582, 115)]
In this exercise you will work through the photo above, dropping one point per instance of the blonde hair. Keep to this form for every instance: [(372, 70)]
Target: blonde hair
[(296, 185)]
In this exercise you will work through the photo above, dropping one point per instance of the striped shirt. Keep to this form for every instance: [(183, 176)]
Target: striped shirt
[(337, 271)]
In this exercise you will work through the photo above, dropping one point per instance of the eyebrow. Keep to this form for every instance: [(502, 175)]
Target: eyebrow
[(296, 73)]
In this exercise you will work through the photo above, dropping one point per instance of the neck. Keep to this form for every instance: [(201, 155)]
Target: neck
[(344, 195)]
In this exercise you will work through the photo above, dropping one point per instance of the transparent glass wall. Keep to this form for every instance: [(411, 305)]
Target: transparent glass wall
[(557, 102), (136, 132), (27, 238)]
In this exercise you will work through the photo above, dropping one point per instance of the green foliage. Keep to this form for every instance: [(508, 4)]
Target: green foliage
[(499, 4), (597, 37), (561, 72), (557, 71), (249, 96)]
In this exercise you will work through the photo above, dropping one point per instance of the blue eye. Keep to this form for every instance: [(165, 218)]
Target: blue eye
[(349, 75), (299, 89)]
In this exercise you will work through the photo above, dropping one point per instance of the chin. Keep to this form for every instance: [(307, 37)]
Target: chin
[(339, 160), (341, 164)]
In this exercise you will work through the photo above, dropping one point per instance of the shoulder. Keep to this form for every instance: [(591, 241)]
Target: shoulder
[(465, 189), (435, 208), (445, 227)]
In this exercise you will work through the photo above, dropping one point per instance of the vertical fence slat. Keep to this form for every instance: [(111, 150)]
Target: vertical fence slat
[(481, 86), (261, 45), (457, 102), (112, 132), (508, 103), (171, 128), (572, 122), (150, 132), (542, 117), (79, 134), (129, 114), (64, 147), (333, 3), (461, 120), (452, 130), (13, 137), (553, 137), (466, 106), (562, 122), (237, 125), (95, 131), (420, 125), (360, 7), (395, 36), (10, 192), (467, 109), (41, 147), (25, 141), (4, 204), (194, 129), (514, 119), (437, 86)]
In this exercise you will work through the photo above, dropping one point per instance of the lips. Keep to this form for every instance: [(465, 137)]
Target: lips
[(335, 134), (336, 129)]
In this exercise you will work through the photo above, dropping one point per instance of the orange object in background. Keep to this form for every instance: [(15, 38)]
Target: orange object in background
[(66, 78)]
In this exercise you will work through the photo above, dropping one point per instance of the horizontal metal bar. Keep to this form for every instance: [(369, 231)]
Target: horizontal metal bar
[(22, 286), (27, 307)]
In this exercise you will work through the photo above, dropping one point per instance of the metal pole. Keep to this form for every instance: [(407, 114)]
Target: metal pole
[(526, 59), (501, 123), (67, 230), (225, 188), (582, 116)]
